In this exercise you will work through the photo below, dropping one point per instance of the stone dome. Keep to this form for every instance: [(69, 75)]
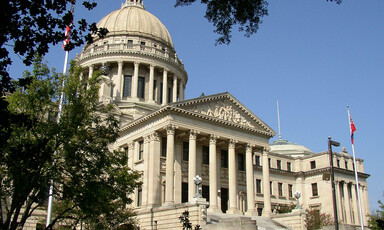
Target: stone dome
[(284, 147), (133, 19)]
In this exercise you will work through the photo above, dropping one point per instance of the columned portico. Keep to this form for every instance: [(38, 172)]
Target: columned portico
[(192, 164), (250, 185), (169, 184), (266, 185), (213, 207), (232, 183)]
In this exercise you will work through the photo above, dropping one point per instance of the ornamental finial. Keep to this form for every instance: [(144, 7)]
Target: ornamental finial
[(138, 3)]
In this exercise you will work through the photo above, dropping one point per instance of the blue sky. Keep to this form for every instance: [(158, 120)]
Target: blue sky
[(314, 56)]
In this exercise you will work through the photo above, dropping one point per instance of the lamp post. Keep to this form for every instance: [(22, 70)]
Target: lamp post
[(336, 144), (197, 179), (297, 196)]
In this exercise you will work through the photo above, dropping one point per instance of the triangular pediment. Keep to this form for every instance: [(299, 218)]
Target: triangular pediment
[(226, 108)]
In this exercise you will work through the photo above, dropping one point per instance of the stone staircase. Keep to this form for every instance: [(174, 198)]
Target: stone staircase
[(216, 221)]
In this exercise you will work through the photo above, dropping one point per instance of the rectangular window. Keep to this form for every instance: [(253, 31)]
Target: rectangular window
[(142, 45), (141, 149), (161, 93), (241, 162), (127, 86), (139, 197), (280, 187), (313, 164), (278, 164), (258, 186), (184, 192), (169, 95), (346, 164), (141, 87), (269, 162), (270, 187), (290, 190), (257, 159), (224, 158), (338, 163), (206, 155), (164, 147), (289, 167), (205, 192), (154, 90), (185, 151), (314, 189)]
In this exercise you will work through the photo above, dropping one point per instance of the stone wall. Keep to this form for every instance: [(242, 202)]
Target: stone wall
[(168, 217), (294, 220)]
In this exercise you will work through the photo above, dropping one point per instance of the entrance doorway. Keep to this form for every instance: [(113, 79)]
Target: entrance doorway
[(224, 200)]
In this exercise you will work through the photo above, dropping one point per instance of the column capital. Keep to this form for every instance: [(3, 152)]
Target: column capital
[(120, 62), (170, 129), (155, 136), (136, 63), (213, 139), (249, 147), (165, 70), (131, 145), (147, 139), (232, 143), (193, 134), (266, 150), (151, 66)]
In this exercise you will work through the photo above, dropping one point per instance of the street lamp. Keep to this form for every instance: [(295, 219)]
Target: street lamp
[(297, 196), (336, 144), (197, 179)]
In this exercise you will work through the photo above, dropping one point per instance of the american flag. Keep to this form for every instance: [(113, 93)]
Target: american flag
[(68, 30)]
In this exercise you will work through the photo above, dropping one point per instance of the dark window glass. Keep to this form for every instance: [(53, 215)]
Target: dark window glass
[(258, 186), (127, 86), (289, 166), (205, 192), (224, 158), (313, 164), (314, 189), (164, 147), (290, 190), (269, 162), (141, 149), (346, 164), (241, 162), (169, 95), (270, 186), (154, 90), (161, 93), (278, 164), (184, 192), (206, 155), (185, 151), (141, 87), (257, 159), (338, 163), (130, 43), (142, 45), (280, 187), (139, 197)]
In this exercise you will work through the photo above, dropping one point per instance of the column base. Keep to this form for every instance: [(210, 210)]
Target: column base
[(252, 212), (214, 209), (234, 211), (266, 213)]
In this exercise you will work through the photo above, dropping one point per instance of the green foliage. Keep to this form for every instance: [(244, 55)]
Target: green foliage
[(316, 220), (376, 220), (92, 183), (286, 208)]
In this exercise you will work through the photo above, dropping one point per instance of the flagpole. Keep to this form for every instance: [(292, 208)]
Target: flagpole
[(50, 194), (356, 175)]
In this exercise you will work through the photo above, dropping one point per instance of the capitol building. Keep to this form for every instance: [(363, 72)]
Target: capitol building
[(170, 139)]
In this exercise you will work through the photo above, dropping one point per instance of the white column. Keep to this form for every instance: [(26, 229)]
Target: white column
[(266, 185), (355, 204), (90, 73), (181, 88), (347, 203), (119, 87), (250, 186), (131, 160), (213, 175), (154, 169), (174, 92), (169, 183), (232, 183), (192, 164), (147, 173), (165, 87), (135, 80), (151, 82), (338, 202)]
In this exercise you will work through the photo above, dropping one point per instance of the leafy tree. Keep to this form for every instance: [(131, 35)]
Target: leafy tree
[(316, 220), (376, 220), (225, 14), (91, 183)]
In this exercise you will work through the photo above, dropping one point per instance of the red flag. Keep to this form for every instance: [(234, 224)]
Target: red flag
[(353, 127)]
